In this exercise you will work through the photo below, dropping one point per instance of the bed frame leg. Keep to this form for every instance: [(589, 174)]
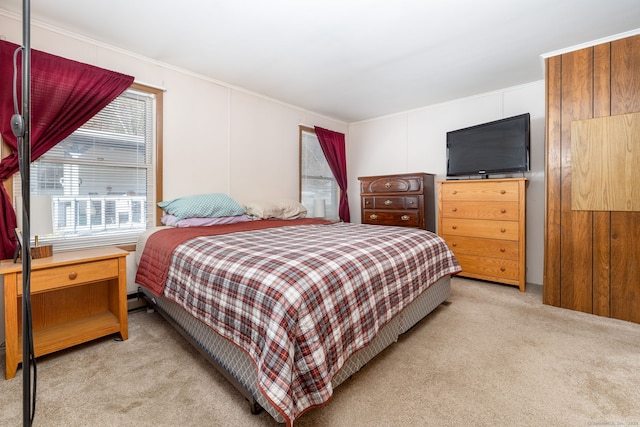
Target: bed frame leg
[(254, 407)]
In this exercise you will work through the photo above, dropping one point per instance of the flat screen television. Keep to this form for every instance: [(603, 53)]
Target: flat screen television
[(497, 147)]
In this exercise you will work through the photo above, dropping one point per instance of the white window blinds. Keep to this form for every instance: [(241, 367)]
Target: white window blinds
[(318, 187), (100, 179)]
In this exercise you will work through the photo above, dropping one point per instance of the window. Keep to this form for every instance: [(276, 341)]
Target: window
[(317, 183), (101, 179)]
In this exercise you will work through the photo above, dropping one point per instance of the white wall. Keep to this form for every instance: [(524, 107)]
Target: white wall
[(217, 138), (415, 141)]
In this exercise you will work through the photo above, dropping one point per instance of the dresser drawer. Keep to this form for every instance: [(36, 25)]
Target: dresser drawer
[(481, 191), (70, 275), (408, 202), (507, 249), (488, 268), (505, 211), (402, 218), (502, 230), (391, 184)]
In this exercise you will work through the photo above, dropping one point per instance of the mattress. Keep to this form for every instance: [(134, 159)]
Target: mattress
[(239, 365), (298, 299)]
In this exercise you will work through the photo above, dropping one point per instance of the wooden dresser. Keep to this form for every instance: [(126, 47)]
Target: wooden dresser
[(483, 222), (405, 200)]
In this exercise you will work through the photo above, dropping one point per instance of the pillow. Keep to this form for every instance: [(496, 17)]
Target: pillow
[(292, 209), (263, 210), (202, 206), (199, 222), (278, 209)]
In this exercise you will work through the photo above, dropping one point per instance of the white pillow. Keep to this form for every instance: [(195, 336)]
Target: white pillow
[(277, 209), (291, 209)]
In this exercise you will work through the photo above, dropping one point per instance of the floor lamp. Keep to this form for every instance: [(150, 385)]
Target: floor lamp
[(21, 126)]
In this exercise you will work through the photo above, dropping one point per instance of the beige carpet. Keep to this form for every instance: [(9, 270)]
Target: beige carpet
[(493, 357)]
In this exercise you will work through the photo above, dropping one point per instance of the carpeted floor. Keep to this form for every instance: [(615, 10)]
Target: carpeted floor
[(492, 357)]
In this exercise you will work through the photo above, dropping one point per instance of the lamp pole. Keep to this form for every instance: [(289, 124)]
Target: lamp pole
[(25, 161)]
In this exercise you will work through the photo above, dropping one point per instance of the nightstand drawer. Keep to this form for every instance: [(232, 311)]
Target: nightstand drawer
[(70, 275)]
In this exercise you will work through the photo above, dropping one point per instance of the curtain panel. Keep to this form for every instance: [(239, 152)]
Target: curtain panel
[(333, 147), (65, 94)]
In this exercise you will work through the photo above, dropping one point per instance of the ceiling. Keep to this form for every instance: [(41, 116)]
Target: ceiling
[(350, 60)]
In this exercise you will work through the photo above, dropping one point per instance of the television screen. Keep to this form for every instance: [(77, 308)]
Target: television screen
[(497, 147)]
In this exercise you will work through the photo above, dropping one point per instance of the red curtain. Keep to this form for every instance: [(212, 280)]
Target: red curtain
[(64, 95), (333, 147)]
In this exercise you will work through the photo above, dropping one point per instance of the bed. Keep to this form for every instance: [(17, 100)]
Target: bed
[(289, 309)]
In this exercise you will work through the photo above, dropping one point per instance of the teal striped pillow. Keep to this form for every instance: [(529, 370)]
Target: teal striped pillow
[(202, 206)]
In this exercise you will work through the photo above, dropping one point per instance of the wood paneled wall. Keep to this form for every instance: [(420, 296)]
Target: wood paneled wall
[(592, 259)]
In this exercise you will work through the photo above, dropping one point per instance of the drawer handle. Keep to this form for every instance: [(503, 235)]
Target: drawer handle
[(373, 216), (502, 250), (73, 275), (454, 227), (411, 202), (454, 192), (502, 191), (387, 185), (366, 202), (502, 230), (503, 210), (502, 269), (405, 217), (454, 244), (454, 210), (387, 202)]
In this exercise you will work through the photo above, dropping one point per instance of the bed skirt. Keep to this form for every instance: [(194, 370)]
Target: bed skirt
[(238, 368)]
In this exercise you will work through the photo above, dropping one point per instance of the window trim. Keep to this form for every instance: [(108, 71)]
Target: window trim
[(159, 93), (301, 129)]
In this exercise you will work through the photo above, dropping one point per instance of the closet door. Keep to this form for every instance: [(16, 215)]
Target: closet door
[(601, 220), (625, 226), (568, 98), (592, 258), (553, 169)]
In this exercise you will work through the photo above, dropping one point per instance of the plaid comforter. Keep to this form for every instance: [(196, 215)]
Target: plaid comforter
[(301, 299)]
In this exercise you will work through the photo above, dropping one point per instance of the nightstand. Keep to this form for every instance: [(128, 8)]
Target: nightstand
[(76, 297)]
